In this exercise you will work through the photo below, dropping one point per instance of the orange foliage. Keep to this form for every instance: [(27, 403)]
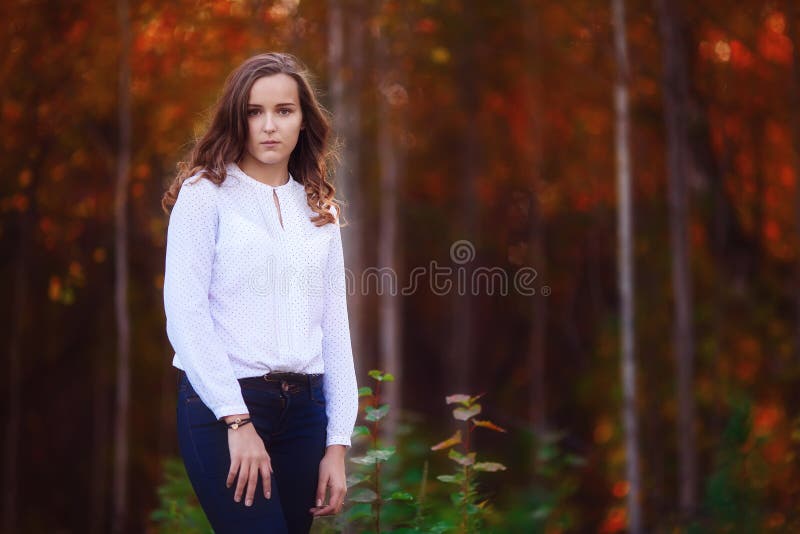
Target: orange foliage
[(786, 176), (741, 57), (54, 289), (771, 230), (773, 44), (426, 26), (766, 417), (615, 521), (620, 488), (603, 430)]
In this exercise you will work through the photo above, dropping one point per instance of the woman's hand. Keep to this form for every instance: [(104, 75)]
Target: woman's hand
[(248, 458), (331, 475)]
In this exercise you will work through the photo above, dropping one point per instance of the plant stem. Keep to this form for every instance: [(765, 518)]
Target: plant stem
[(376, 506)]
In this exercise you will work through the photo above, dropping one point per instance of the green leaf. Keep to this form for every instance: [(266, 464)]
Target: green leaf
[(542, 512), (462, 414), (381, 455), (376, 414), (461, 459), (458, 397), (572, 459), (489, 466), (365, 391), (359, 510), (364, 460), (363, 495), (401, 496), (451, 479), (547, 452), (356, 478), (381, 376), (360, 430), (465, 400)]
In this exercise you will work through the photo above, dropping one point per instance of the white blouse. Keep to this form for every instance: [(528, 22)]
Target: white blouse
[(244, 296)]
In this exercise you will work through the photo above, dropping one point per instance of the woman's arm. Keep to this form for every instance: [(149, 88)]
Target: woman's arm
[(339, 382), (191, 239)]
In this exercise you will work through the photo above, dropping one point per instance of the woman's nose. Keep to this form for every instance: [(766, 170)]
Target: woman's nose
[(269, 123)]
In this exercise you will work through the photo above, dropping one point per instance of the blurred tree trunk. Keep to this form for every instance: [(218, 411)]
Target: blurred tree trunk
[(354, 183), (461, 355), (120, 485), (533, 158), (100, 446), (675, 93), (345, 64), (391, 102), (20, 315), (625, 271), (793, 13)]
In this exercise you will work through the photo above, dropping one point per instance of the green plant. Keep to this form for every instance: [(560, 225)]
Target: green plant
[(543, 505), (466, 498), (734, 494), (179, 510), (370, 492)]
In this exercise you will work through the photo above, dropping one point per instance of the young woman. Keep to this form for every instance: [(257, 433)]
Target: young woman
[(255, 302)]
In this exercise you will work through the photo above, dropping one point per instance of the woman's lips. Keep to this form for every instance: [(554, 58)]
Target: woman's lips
[(270, 142)]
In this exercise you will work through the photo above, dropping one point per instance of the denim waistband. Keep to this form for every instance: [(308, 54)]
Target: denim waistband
[(286, 381)]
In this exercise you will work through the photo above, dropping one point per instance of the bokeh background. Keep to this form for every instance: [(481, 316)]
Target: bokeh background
[(646, 374)]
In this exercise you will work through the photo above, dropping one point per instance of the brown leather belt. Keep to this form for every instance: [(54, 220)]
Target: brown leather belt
[(290, 381)]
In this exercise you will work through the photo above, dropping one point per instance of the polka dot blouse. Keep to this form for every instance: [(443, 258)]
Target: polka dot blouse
[(251, 288)]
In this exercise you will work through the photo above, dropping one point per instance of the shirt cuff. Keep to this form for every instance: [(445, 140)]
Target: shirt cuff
[(338, 440), (232, 409)]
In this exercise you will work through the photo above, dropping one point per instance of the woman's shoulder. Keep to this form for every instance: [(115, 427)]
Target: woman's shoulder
[(200, 184), (201, 179), (198, 192)]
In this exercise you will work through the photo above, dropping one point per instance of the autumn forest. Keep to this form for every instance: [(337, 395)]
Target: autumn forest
[(572, 242)]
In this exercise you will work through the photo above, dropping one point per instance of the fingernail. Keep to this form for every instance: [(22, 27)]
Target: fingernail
[(237, 499), (249, 502), (319, 502), (268, 495)]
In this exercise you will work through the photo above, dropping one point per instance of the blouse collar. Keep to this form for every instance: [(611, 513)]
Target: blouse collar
[(234, 169)]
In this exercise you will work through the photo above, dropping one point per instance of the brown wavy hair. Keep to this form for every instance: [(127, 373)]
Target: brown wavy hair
[(226, 138)]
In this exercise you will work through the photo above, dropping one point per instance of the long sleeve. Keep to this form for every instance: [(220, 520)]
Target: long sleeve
[(340, 387), (191, 240)]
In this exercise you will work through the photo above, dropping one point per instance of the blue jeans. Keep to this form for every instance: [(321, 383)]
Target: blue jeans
[(291, 419)]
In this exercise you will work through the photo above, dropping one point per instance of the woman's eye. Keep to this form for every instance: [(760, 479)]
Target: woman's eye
[(285, 111), (253, 112)]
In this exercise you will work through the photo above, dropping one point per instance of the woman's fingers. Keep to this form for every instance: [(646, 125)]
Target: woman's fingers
[(337, 497), (232, 472), (249, 457), (322, 483), (335, 503), (241, 482), (252, 482), (266, 481)]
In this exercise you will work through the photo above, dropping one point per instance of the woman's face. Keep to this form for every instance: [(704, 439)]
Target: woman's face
[(274, 119)]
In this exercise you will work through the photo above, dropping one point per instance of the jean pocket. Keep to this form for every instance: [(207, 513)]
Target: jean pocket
[(197, 413)]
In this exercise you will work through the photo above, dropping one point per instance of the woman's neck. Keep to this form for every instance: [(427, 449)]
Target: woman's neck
[(274, 175)]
